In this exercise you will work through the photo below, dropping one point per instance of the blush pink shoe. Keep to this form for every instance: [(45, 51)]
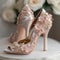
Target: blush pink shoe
[(42, 27)]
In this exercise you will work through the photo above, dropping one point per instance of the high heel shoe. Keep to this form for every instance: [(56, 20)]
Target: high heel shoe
[(42, 26), (24, 22)]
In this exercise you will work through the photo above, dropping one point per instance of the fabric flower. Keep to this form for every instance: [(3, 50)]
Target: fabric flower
[(55, 6), (34, 4), (19, 5), (9, 15)]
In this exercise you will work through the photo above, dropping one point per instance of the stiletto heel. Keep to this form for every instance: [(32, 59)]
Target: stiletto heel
[(26, 46), (24, 22), (45, 42)]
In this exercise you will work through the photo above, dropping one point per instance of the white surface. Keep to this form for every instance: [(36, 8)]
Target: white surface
[(53, 51)]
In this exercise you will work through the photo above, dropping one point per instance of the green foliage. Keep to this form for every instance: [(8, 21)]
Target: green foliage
[(47, 7)]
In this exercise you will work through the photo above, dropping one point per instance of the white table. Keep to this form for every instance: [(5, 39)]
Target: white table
[(53, 52)]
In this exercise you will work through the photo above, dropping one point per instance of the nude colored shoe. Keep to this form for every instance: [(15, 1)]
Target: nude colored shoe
[(42, 26), (24, 22)]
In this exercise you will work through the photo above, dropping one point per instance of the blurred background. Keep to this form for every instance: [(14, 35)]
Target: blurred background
[(55, 31), (7, 28)]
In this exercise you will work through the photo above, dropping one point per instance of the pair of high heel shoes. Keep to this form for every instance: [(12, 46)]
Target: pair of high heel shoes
[(25, 38)]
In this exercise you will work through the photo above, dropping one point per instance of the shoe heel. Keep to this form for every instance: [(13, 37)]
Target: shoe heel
[(45, 42)]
